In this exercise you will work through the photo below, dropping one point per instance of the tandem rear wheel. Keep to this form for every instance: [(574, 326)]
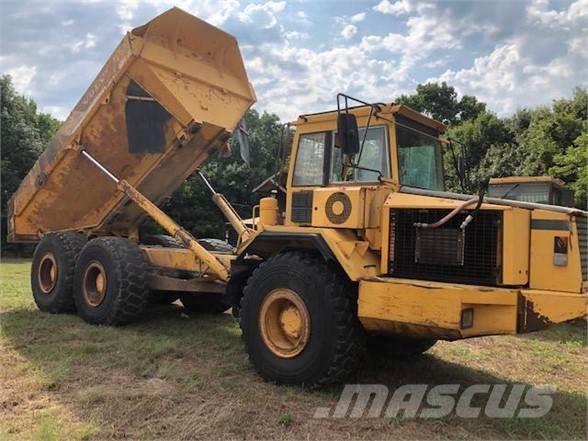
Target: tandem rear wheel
[(299, 321), (110, 283), (52, 271)]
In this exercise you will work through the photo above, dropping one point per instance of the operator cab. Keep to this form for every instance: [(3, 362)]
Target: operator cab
[(341, 158)]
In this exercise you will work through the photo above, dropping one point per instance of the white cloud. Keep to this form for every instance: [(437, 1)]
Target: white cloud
[(510, 54), (398, 7), (576, 13), (296, 35), (88, 42), (291, 80), (216, 12), (262, 14), (507, 79), (349, 31), (436, 63), (522, 72), (426, 34), (126, 9), (22, 77), (356, 18)]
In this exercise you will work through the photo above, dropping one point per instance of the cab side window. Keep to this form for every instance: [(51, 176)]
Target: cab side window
[(309, 168), (374, 157)]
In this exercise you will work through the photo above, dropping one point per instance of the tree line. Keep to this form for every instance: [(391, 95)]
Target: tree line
[(547, 140)]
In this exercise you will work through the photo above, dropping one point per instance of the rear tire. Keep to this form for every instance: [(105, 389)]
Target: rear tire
[(110, 282), (162, 240), (398, 346), (317, 338), (52, 271), (216, 245), (166, 241)]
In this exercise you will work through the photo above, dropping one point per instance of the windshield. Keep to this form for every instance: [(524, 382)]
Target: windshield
[(419, 157), (374, 156)]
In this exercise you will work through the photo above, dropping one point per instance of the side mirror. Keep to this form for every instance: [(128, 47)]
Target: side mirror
[(347, 134), (243, 140)]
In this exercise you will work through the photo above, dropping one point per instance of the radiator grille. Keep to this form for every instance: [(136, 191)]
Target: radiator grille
[(302, 207), (481, 246), (582, 226)]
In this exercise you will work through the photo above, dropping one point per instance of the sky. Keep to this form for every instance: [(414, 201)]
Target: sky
[(299, 54)]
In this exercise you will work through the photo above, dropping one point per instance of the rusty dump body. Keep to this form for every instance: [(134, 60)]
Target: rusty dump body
[(171, 94)]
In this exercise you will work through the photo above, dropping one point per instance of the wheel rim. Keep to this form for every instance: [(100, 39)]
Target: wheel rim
[(47, 274), (284, 323), (94, 286)]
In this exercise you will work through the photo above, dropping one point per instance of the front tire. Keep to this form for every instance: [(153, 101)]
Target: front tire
[(299, 321), (52, 271), (110, 286)]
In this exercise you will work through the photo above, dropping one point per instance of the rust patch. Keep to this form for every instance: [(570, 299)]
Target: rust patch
[(530, 320)]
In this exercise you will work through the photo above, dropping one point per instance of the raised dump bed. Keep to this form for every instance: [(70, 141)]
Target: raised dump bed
[(170, 95)]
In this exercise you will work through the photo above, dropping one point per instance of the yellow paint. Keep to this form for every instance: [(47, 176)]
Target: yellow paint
[(195, 71), (433, 309), (243, 231), (437, 306), (543, 273), (515, 246), (176, 231), (557, 307), (182, 259), (357, 197), (327, 122), (410, 201), (268, 211), (354, 255)]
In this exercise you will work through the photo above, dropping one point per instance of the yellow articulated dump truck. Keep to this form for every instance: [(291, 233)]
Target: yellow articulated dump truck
[(368, 250)]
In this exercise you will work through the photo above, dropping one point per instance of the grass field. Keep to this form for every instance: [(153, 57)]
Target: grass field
[(178, 377)]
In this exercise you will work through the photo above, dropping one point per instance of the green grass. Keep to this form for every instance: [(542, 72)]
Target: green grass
[(176, 377)]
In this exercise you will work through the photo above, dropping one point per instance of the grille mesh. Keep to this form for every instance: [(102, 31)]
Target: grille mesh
[(481, 247), (582, 226), (302, 207)]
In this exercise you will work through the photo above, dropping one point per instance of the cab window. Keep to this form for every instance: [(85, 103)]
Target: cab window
[(309, 168), (419, 156), (374, 158)]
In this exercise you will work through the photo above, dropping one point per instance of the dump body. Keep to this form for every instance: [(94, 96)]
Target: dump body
[(171, 94)]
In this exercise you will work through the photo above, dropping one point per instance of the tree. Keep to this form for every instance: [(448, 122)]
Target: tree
[(481, 141), (23, 134), (191, 205), (440, 102), (572, 166)]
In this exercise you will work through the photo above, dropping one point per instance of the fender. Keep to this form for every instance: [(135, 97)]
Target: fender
[(340, 246)]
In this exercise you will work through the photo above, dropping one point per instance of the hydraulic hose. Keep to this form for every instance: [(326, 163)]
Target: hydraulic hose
[(451, 215)]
